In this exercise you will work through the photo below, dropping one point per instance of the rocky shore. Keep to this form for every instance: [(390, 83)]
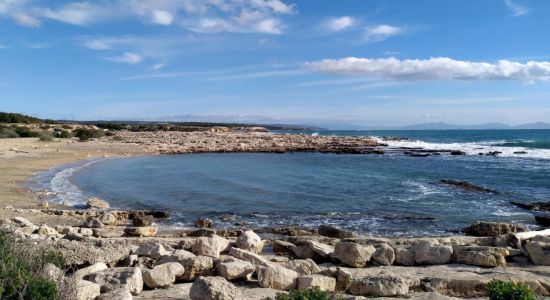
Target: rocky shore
[(123, 255)]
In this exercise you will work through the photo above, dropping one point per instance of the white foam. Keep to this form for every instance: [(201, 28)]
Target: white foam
[(472, 148), (66, 191)]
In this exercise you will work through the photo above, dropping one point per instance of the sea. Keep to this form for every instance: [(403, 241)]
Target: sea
[(390, 195)]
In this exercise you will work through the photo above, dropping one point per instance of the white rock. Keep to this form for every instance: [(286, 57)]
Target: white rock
[(46, 230), (323, 250), (235, 269), (303, 266), (430, 252), (153, 250), (381, 286), (210, 246), (97, 203), (324, 283), (81, 273), (384, 255), (218, 288), (353, 254), (276, 277), (162, 275), (109, 279), (86, 290), (108, 218), (539, 252), (196, 266), (253, 258), (250, 241), (116, 294)]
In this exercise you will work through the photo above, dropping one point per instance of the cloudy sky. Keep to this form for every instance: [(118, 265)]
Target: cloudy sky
[(369, 62)]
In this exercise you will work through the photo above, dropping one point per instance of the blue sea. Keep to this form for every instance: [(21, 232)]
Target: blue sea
[(391, 194)]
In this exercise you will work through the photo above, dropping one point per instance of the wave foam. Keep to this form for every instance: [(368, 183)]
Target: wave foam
[(65, 190)]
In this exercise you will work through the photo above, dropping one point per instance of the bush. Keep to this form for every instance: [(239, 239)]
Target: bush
[(45, 136), (19, 269), (23, 131), (309, 294), (508, 290), (85, 134), (6, 132), (62, 134)]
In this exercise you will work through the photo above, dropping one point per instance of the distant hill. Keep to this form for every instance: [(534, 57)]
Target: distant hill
[(447, 126), (18, 118)]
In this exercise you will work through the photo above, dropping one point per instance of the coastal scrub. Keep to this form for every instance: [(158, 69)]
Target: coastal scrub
[(508, 290)]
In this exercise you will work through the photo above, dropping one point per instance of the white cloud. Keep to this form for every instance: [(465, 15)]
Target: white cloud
[(127, 58), (162, 17), (157, 67), (25, 19), (341, 23), (379, 33), (78, 13), (516, 9), (440, 68)]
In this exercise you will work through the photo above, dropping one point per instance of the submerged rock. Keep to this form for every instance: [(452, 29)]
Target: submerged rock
[(468, 186), (143, 221), (204, 223)]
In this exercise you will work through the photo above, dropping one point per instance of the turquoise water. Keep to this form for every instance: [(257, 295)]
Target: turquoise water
[(390, 194)]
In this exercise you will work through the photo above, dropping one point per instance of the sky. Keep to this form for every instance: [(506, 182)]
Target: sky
[(341, 63)]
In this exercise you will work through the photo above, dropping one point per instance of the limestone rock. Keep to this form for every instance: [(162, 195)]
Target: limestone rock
[(162, 275), (324, 283), (430, 252), (384, 255), (153, 250), (143, 221), (218, 288), (46, 230), (204, 223), (52, 272), (22, 222), (210, 246), (404, 256), (196, 266), (353, 254), (344, 279), (250, 241), (482, 256), (92, 222), (175, 256), (539, 252), (276, 277), (81, 273), (116, 294), (86, 290), (108, 218), (303, 266), (253, 258), (492, 228), (141, 231), (282, 247), (334, 232), (83, 252), (323, 250), (235, 269), (109, 279), (380, 286), (97, 203)]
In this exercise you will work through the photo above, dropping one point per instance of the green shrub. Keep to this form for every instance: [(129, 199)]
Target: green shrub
[(309, 294), (19, 266), (62, 134), (45, 136), (508, 290), (23, 131), (6, 132), (85, 134)]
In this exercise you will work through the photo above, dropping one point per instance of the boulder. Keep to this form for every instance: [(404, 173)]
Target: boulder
[(66, 229), (162, 275), (493, 229), (108, 218), (384, 255), (344, 280), (404, 256), (88, 252), (235, 269), (92, 222), (86, 231), (97, 203), (324, 283), (143, 221), (322, 250), (304, 251), (210, 288), (204, 223), (334, 232), (22, 222), (250, 241), (253, 258), (146, 231), (282, 247), (303, 266), (109, 279), (430, 252), (207, 232), (86, 290), (379, 286), (175, 256), (483, 256), (352, 254), (52, 272), (116, 294), (276, 277), (196, 266), (543, 220), (539, 252), (46, 230), (210, 246), (153, 250), (81, 273)]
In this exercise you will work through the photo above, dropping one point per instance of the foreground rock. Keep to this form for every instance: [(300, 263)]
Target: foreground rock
[(539, 252), (353, 254), (86, 290), (276, 277), (208, 288), (250, 241), (116, 294), (235, 269), (381, 286), (482, 256), (163, 275), (430, 252), (324, 283), (110, 279), (210, 246)]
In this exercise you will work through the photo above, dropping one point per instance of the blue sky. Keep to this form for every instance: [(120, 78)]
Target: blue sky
[(365, 62)]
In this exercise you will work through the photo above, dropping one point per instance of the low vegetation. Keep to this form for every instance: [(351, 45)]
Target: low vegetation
[(18, 118), (508, 290), (20, 268), (309, 294)]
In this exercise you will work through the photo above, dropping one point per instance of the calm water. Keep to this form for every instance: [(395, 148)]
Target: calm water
[(388, 194)]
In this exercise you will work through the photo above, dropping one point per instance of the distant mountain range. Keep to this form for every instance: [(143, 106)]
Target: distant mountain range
[(447, 126)]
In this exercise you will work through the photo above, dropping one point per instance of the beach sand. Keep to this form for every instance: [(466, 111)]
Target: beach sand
[(21, 158)]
